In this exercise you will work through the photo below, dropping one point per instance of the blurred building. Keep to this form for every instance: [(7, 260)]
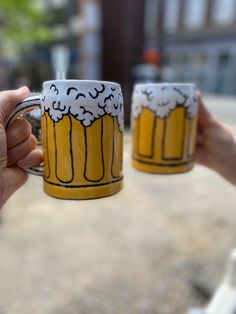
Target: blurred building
[(122, 42), (76, 27), (107, 38), (90, 43), (195, 38), (200, 43), (79, 29)]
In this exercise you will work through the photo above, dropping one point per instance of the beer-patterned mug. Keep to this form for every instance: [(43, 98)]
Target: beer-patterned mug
[(82, 137), (164, 126)]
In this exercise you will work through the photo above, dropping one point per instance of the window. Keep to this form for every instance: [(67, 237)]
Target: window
[(195, 13), (150, 19), (224, 58), (223, 11), (172, 10)]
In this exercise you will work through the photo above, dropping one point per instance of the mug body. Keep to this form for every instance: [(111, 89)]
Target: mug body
[(164, 125), (82, 138)]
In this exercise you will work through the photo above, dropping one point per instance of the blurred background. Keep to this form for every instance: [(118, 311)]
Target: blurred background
[(123, 41), (162, 251)]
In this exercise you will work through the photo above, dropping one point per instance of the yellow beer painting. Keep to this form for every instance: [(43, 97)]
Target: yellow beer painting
[(82, 127), (82, 137), (164, 126)]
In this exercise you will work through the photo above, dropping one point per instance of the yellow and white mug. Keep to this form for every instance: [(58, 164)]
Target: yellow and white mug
[(164, 126), (82, 137)]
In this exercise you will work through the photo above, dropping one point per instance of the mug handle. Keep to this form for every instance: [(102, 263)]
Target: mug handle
[(27, 105)]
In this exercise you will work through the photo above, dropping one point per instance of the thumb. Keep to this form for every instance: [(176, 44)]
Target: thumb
[(9, 99)]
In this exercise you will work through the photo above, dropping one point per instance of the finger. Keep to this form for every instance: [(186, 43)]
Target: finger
[(206, 119), (199, 138), (204, 157), (34, 158), (9, 99), (3, 148), (200, 156), (18, 132), (18, 152), (204, 116)]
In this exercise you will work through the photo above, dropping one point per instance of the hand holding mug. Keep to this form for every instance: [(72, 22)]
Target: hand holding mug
[(17, 145), (216, 145), (82, 137)]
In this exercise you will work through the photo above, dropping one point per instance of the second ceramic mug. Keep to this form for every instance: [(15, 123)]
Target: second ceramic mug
[(82, 137), (164, 124)]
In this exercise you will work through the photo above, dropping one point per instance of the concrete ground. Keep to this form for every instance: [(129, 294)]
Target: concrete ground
[(140, 251)]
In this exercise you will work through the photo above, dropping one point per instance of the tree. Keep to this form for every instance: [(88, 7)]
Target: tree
[(23, 22)]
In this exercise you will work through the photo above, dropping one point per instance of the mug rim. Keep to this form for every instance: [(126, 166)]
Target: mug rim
[(165, 84), (75, 81)]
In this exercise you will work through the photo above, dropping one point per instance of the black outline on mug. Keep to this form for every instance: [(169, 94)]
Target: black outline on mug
[(110, 97), (47, 151), (55, 88), (161, 164), (98, 92), (189, 152), (24, 110), (71, 154), (113, 148), (153, 138), (85, 186), (182, 142), (86, 154)]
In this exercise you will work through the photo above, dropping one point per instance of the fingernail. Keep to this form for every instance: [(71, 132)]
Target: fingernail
[(22, 89)]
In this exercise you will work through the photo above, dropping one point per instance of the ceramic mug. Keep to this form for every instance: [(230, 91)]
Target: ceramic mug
[(82, 137), (164, 126)]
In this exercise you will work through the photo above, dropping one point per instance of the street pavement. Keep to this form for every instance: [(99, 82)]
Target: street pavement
[(137, 252)]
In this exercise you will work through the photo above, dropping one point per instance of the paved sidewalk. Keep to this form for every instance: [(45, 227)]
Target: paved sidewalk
[(223, 107), (133, 253)]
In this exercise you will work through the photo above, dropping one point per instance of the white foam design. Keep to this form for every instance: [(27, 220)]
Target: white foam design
[(94, 100), (162, 99)]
